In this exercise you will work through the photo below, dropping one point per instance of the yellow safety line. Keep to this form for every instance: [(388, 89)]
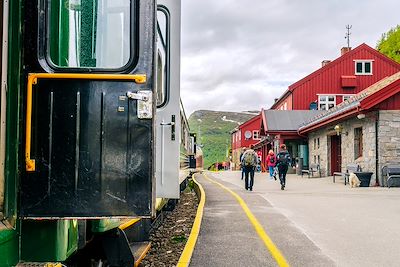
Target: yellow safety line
[(276, 254), (186, 255), (141, 257), (128, 223), (32, 79)]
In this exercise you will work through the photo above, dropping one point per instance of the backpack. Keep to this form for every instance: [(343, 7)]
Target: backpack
[(248, 158), (272, 159), (284, 158)]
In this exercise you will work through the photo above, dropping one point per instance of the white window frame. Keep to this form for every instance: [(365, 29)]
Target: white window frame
[(347, 96), (285, 106), (327, 102), (256, 135), (363, 66)]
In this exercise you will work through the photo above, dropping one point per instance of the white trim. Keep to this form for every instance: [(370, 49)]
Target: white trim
[(363, 66), (335, 94), (4, 70)]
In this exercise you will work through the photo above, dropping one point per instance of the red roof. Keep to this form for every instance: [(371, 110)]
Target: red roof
[(332, 64)]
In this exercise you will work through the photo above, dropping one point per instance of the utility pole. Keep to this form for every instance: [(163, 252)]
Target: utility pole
[(348, 27)]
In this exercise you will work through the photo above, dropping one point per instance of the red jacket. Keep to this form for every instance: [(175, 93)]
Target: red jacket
[(269, 163)]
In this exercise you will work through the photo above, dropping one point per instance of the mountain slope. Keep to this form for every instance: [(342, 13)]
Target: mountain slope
[(212, 128)]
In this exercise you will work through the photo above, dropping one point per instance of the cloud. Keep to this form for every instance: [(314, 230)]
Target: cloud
[(240, 55)]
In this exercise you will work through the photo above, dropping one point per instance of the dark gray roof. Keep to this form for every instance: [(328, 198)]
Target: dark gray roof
[(288, 120)]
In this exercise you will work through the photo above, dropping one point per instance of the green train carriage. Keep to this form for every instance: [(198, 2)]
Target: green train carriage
[(79, 97)]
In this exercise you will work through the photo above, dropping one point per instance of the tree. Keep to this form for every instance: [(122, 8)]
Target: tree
[(389, 44)]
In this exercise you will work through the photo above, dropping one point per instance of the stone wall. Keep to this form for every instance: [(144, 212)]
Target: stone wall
[(388, 143), (389, 138), (319, 149), (323, 151)]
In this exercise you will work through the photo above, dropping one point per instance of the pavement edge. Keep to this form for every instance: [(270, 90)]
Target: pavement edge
[(187, 252)]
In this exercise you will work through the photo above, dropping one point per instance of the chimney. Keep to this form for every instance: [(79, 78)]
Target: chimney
[(325, 62), (344, 50)]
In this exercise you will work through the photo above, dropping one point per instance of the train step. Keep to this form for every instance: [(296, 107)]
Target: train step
[(139, 250)]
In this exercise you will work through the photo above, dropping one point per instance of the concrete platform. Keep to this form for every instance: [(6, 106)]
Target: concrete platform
[(350, 226), (227, 238)]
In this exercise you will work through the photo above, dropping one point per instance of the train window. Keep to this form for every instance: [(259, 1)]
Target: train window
[(162, 56), (89, 33)]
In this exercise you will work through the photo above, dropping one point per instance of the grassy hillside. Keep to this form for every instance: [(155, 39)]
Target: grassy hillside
[(212, 128)]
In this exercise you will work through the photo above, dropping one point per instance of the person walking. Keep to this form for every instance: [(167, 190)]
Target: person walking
[(249, 163), (271, 163), (283, 162), (241, 165)]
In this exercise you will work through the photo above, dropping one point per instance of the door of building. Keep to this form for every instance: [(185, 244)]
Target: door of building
[(336, 154)]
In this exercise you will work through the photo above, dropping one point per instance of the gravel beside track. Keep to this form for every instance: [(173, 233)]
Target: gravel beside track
[(169, 239)]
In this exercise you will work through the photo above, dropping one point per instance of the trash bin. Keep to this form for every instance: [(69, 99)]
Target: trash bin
[(364, 177), (299, 165)]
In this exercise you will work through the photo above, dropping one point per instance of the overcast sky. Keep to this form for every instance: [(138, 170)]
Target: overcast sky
[(241, 54)]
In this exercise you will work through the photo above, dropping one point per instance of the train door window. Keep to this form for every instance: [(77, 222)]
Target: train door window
[(162, 86), (90, 33)]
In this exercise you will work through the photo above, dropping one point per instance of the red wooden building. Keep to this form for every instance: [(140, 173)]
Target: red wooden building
[(327, 87), (337, 80), (246, 134)]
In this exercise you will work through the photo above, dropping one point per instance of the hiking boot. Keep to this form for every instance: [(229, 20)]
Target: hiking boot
[(282, 187)]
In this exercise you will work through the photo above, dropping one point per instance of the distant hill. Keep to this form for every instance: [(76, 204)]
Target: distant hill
[(212, 128)]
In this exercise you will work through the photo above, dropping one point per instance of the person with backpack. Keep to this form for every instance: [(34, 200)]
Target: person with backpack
[(283, 162), (249, 163), (271, 163)]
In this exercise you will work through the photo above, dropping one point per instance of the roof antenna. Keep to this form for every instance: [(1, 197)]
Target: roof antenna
[(348, 27)]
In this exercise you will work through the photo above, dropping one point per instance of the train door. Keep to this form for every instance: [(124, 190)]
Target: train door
[(3, 75), (89, 109), (168, 99)]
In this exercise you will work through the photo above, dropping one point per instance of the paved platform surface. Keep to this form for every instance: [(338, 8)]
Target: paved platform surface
[(314, 222), (227, 238)]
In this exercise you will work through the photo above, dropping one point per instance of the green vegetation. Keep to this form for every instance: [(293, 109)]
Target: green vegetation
[(389, 44), (213, 132)]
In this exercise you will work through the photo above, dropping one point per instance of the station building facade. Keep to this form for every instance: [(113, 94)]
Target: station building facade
[(364, 130)]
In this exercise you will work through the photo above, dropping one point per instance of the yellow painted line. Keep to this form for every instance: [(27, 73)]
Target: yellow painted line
[(141, 257), (33, 78), (273, 249), (186, 255), (128, 223)]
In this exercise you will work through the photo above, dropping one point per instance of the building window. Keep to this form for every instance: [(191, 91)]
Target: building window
[(315, 159), (256, 135), (315, 143), (347, 97), (363, 67), (326, 102), (285, 106), (240, 135), (318, 159), (318, 142), (358, 143)]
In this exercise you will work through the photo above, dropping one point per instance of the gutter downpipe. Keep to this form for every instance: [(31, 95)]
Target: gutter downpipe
[(377, 149)]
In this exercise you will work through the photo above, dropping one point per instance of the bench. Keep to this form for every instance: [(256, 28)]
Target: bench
[(311, 170), (393, 173), (349, 169)]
